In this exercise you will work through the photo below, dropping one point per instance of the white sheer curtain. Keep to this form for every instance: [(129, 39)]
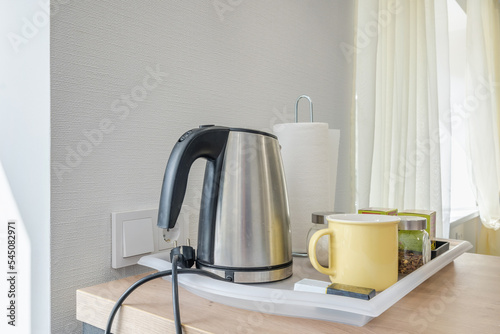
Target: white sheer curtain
[(482, 107), (403, 111)]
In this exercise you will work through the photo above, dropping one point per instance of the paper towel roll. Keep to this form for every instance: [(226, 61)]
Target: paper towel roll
[(333, 150), (309, 160)]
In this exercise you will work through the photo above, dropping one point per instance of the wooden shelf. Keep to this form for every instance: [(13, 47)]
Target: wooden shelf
[(464, 297)]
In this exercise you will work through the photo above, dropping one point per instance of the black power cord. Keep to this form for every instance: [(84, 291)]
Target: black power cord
[(182, 256), (175, 296)]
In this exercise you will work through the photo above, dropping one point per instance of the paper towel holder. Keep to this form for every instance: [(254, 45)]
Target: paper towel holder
[(297, 107)]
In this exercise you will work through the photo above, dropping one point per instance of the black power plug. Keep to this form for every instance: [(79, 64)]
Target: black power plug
[(185, 256)]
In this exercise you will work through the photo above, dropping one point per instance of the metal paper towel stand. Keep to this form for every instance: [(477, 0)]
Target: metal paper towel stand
[(297, 107), (299, 254)]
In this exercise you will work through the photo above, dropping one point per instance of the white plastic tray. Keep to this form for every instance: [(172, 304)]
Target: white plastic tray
[(280, 298)]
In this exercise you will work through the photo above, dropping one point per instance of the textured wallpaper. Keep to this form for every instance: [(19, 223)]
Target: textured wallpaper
[(129, 77)]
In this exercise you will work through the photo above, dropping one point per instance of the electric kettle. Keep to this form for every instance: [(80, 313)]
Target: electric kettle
[(244, 225)]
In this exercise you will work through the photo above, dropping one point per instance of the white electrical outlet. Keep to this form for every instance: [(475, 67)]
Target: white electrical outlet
[(135, 234)]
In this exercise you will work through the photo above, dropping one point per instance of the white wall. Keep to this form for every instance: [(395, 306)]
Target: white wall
[(244, 67), (467, 228), (25, 147)]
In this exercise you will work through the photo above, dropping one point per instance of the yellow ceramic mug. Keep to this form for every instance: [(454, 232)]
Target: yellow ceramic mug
[(363, 250)]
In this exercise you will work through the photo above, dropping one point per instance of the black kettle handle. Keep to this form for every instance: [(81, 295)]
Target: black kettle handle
[(206, 142)]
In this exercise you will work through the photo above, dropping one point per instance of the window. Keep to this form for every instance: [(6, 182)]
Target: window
[(462, 194)]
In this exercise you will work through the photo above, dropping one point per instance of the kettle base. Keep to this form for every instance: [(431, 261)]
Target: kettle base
[(251, 275)]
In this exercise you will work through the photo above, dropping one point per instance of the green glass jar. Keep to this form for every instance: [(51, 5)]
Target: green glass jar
[(414, 246)]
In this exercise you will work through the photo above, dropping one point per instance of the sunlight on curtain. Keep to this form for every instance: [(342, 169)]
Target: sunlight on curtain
[(489, 241), (482, 81), (483, 115), (403, 107)]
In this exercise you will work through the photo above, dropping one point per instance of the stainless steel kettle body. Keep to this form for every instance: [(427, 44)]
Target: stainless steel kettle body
[(244, 227)]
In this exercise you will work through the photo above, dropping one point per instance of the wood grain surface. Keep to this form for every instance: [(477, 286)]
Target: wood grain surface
[(464, 297)]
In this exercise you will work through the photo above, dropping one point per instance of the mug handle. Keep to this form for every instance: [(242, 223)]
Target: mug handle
[(312, 251)]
